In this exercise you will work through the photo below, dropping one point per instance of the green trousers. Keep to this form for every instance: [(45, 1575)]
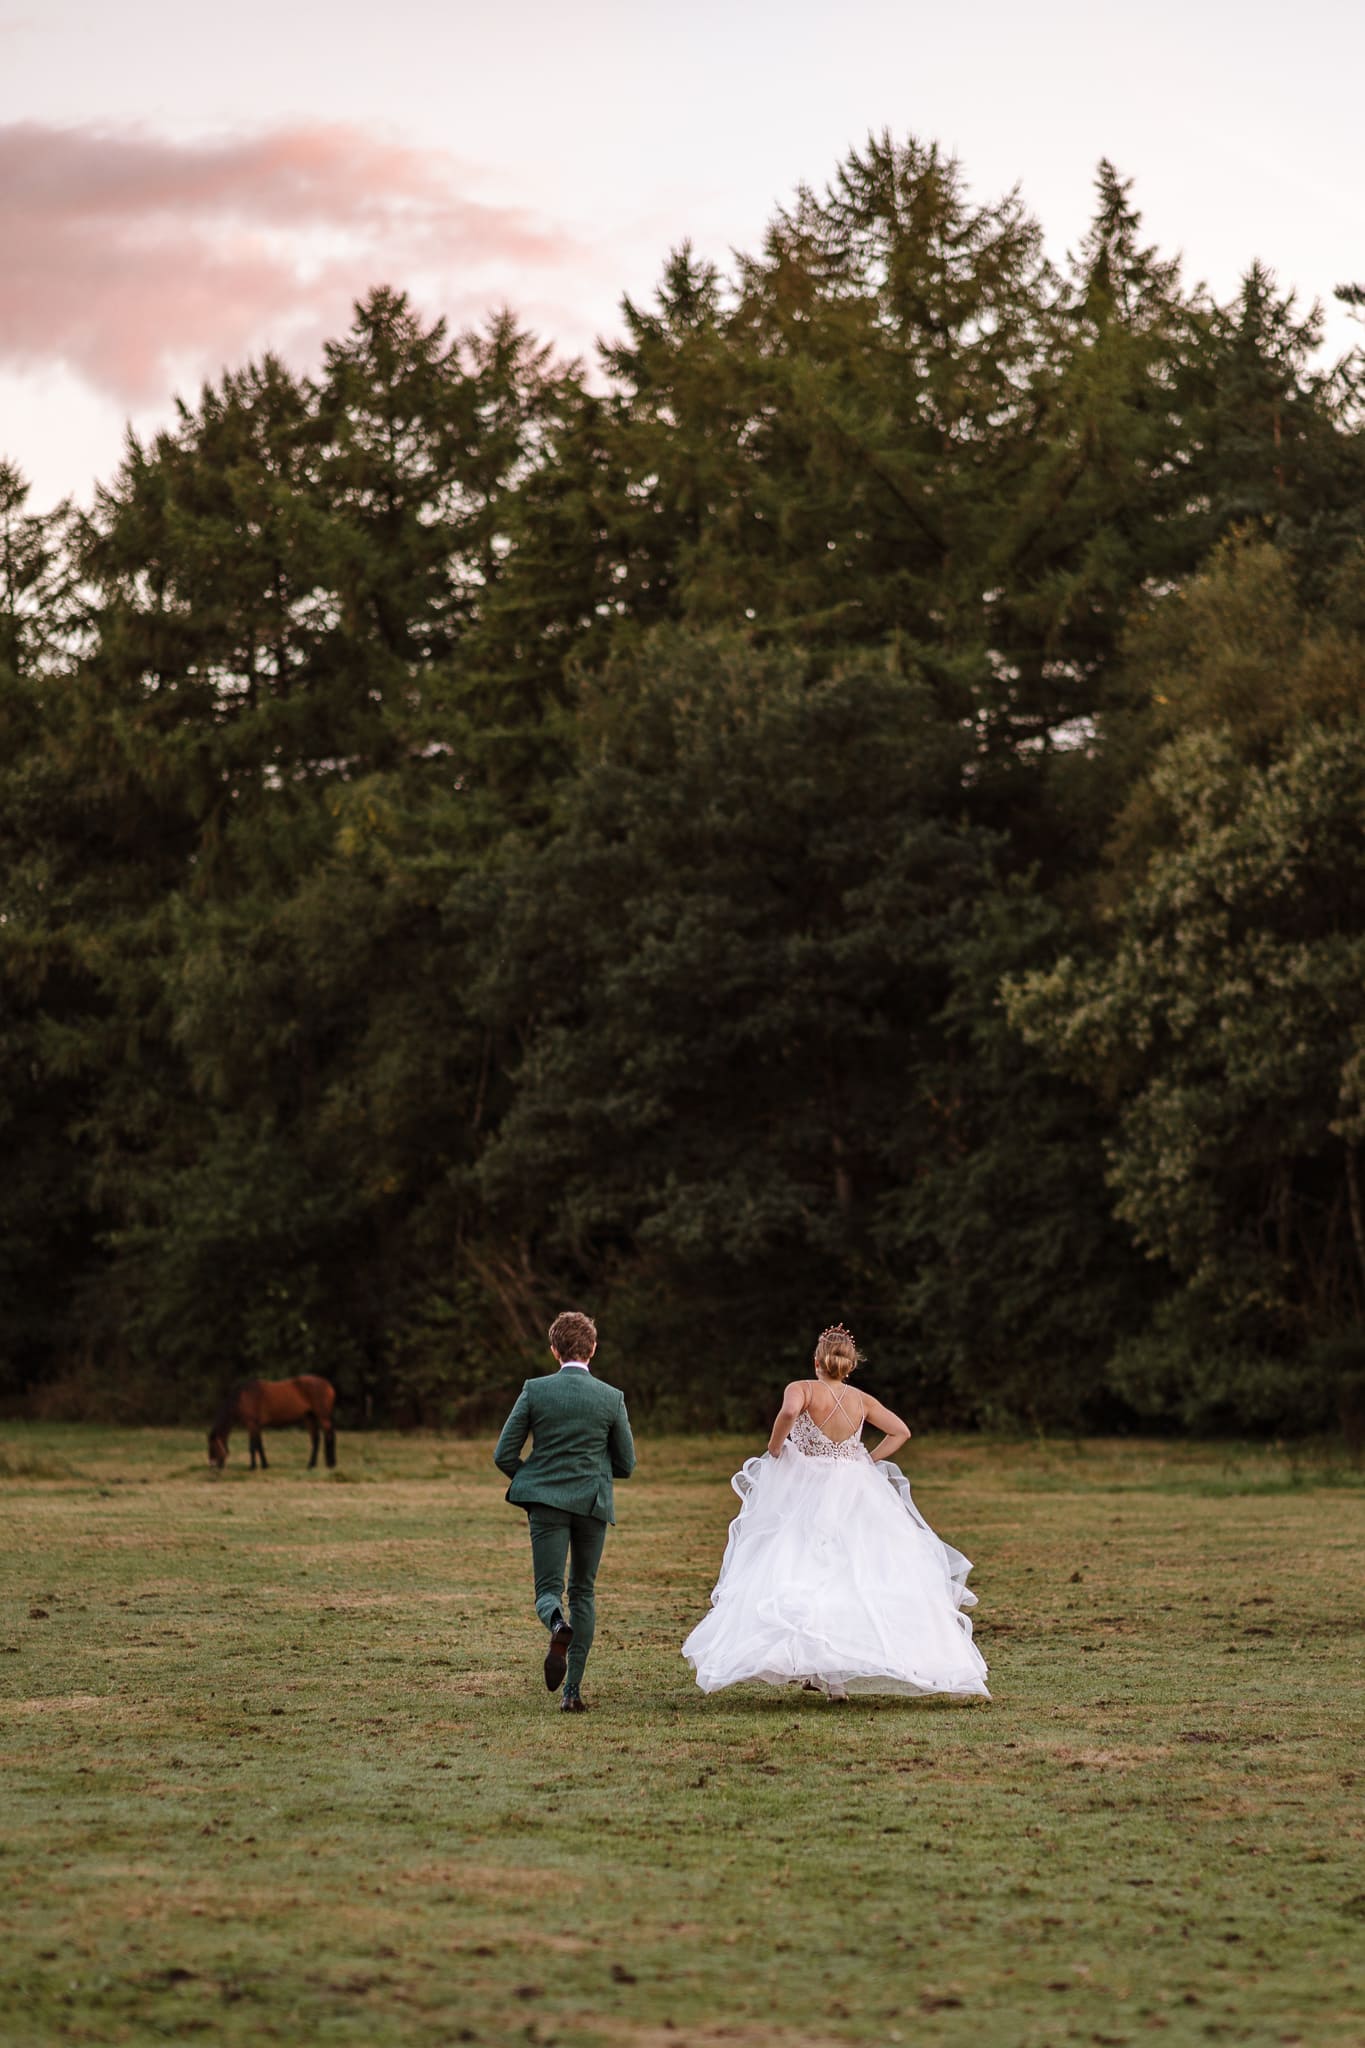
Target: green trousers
[(559, 1539)]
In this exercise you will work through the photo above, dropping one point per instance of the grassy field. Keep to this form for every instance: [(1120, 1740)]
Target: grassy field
[(279, 1764)]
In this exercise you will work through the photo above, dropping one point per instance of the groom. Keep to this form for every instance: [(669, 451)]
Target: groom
[(581, 1442)]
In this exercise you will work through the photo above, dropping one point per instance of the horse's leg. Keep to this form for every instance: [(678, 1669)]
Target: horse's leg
[(331, 1441), (258, 1450), (313, 1435)]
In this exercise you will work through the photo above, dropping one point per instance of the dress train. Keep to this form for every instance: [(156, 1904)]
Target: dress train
[(832, 1577)]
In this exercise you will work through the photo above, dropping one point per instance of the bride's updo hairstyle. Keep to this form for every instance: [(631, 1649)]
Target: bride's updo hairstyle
[(836, 1354)]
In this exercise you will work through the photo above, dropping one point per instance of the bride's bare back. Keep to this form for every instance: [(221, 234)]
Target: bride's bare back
[(838, 1412)]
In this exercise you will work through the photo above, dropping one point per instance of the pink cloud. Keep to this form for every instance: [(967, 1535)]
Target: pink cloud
[(131, 258)]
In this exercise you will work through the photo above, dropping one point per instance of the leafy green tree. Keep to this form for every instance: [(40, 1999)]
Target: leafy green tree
[(1224, 1021)]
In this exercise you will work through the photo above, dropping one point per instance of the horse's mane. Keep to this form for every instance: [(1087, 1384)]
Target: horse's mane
[(227, 1410)]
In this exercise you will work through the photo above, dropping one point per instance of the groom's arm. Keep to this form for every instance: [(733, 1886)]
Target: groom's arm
[(621, 1444), (516, 1429)]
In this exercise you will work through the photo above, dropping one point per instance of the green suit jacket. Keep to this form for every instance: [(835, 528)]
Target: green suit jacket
[(581, 1442)]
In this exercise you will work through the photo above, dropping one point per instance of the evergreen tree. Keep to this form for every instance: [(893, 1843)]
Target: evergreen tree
[(1276, 452), (468, 835), (717, 970), (44, 1235)]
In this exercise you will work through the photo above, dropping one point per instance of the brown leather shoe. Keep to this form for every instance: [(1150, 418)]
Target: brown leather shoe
[(573, 1704), (557, 1656)]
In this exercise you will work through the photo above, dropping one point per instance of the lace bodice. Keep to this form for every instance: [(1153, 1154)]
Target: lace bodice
[(810, 1440)]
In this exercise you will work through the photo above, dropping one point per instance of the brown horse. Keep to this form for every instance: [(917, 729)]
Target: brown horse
[(260, 1404)]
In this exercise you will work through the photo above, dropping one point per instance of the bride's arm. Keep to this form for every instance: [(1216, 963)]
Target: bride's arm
[(793, 1401), (897, 1432)]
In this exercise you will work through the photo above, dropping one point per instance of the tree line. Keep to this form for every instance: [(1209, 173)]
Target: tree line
[(852, 808)]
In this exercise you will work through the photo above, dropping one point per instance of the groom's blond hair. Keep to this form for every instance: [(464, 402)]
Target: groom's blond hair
[(836, 1354)]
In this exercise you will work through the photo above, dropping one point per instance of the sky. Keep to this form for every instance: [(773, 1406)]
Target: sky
[(183, 186)]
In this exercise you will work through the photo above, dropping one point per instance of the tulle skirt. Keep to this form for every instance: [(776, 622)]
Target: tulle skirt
[(832, 1576)]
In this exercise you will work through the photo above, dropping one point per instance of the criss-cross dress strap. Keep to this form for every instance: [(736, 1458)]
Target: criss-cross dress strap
[(837, 1409)]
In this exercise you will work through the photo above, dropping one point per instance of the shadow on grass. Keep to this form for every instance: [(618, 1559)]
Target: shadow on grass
[(796, 1700)]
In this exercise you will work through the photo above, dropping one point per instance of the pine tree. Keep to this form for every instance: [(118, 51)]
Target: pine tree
[(44, 1232)]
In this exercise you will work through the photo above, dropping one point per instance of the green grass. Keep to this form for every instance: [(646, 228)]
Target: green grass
[(279, 1764)]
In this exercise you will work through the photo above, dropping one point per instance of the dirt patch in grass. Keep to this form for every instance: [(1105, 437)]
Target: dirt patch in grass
[(717, 2036), (394, 1550), (57, 1703), (492, 1881)]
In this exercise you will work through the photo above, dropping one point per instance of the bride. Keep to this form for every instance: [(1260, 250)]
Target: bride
[(831, 1575)]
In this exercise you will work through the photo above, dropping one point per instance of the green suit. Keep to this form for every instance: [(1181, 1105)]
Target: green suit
[(581, 1441)]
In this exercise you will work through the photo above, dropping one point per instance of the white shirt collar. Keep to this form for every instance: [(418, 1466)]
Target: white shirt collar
[(573, 1365)]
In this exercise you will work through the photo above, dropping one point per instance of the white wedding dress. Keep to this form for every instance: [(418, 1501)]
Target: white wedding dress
[(832, 1576)]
